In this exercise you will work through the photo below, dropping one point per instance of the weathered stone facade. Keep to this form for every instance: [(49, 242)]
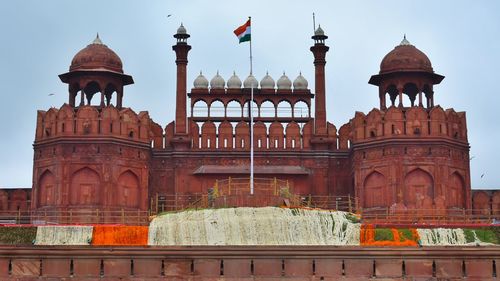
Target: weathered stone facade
[(107, 156)]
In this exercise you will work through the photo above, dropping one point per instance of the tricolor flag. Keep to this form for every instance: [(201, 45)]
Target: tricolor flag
[(243, 32)]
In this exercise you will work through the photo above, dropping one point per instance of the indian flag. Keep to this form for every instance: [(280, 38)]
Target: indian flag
[(243, 32)]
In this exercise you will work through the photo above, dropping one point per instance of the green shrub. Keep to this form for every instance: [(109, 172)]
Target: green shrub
[(383, 234), (469, 235), (405, 234), (17, 235), (352, 218), (487, 235)]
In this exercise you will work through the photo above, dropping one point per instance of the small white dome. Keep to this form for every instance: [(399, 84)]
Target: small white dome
[(234, 82), (200, 82), (250, 81), (319, 31), (267, 82), (284, 83), (217, 82), (181, 29), (300, 83)]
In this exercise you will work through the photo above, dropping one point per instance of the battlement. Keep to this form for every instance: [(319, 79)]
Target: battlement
[(91, 121), (232, 136), (413, 122)]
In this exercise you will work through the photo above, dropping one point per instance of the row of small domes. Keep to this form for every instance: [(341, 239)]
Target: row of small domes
[(234, 82)]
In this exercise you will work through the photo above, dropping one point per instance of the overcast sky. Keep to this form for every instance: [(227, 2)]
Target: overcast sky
[(39, 39)]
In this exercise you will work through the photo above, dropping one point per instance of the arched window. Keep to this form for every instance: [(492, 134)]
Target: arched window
[(301, 109), (200, 109), (233, 109), (410, 91), (217, 109), (255, 109), (90, 90), (284, 109), (267, 109)]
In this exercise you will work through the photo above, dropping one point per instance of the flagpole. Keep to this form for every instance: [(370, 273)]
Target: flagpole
[(251, 117)]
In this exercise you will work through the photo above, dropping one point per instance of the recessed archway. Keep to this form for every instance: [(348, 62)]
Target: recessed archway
[(375, 190)]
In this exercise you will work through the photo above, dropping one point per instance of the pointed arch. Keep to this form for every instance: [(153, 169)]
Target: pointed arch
[(46, 189), (127, 193), (375, 190), (84, 188), (234, 109), (418, 188), (455, 195)]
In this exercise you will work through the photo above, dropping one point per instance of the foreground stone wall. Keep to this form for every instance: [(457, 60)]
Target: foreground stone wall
[(248, 263)]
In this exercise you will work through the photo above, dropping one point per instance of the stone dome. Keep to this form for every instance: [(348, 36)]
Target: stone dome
[(284, 82), (267, 82), (96, 56), (319, 31), (250, 81), (200, 82), (217, 82), (300, 83), (234, 82), (181, 29), (405, 57)]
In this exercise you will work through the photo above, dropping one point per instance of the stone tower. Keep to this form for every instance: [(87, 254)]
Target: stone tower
[(410, 156), (92, 156)]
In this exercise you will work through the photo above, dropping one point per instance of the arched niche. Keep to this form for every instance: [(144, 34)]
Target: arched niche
[(46, 189), (84, 188), (128, 194), (481, 203), (375, 190), (455, 195), (418, 189)]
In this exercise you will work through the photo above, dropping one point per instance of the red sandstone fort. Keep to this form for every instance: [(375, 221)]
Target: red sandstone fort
[(94, 153)]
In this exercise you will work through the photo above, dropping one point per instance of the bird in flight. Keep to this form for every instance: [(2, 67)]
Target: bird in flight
[(169, 15), (482, 175), (51, 94)]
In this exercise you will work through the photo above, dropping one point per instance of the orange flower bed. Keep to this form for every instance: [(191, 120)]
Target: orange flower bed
[(119, 235), (367, 237)]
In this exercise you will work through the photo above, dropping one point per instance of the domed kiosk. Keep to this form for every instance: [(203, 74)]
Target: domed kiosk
[(96, 68), (406, 70)]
